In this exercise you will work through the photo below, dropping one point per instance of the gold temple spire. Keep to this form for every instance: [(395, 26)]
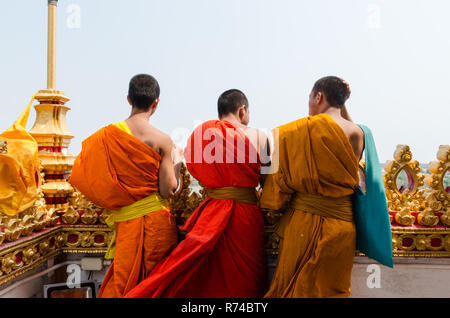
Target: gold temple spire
[(50, 128), (51, 49)]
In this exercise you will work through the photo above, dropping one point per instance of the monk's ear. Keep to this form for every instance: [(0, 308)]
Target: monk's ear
[(242, 111), (155, 105), (129, 101), (319, 97)]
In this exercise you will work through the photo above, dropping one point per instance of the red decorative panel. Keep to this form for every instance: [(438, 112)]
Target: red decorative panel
[(100, 239), (19, 258), (54, 177), (52, 242), (51, 102), (436, 242), (72, 238), (407, 241), (50, 149)]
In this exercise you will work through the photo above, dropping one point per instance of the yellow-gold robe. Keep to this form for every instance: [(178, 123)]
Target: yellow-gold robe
[(316, 161)]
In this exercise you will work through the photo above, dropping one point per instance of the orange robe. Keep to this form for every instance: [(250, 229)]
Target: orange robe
[(316, 253), (223, 253), (115, 170)]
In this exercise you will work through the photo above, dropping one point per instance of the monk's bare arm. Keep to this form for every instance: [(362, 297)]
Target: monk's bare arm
[(357, 142), (344, 112), (167, 181), (265, 154), (177, 158)]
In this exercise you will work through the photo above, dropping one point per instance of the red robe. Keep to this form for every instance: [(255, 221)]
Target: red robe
[(223, 254)]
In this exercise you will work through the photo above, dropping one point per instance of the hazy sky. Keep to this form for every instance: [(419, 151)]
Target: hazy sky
[(395, 54)]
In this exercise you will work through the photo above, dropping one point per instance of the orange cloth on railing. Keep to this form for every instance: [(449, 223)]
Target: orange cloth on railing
[(19, 167), (115, 170), (316, 251)]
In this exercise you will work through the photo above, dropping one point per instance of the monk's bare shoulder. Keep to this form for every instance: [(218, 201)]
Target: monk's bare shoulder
[(354, 134), (158, 140), (356, 137), (254, 133), (165, 144), (258, 138), (150, 135)]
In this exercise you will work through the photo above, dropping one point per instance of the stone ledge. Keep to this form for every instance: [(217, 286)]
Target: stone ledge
[(412, 277), (407, 260)]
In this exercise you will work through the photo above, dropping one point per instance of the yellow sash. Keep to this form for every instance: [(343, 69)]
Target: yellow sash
[(242, 195), (337, 208), (122, 125), (152, 203)]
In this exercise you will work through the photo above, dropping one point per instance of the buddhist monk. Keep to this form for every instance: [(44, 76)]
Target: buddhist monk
[(317, 174), (223, 254), (129, 169)]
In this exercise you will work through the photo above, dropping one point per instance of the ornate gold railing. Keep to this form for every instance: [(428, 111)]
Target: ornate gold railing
[(419, 211), (420, 207)]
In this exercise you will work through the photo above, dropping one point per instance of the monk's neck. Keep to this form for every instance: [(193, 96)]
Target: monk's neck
[(232, 119), (333, 112), (140, 115)]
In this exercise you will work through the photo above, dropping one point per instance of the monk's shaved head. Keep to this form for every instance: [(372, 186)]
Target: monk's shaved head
[(230, 101), (144, 91), (334, 89)]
